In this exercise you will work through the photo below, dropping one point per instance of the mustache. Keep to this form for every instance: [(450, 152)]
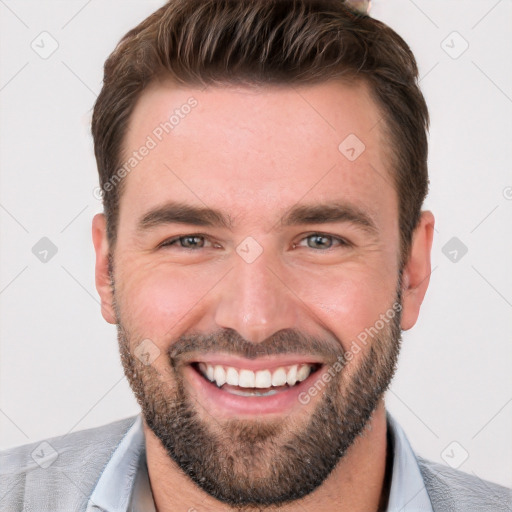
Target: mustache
[(285, 341)]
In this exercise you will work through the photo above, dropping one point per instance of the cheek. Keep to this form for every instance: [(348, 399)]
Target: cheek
[(349, 300), (155, 300)]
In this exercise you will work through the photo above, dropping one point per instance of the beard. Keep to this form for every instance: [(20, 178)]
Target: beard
[(262, 463)]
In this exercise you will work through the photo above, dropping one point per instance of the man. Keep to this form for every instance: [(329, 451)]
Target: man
[(263, 165)]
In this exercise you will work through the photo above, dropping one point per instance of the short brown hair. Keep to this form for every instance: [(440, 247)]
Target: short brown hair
[(204, 42)]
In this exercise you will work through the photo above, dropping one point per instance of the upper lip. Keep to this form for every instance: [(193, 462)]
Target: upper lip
[(260, 363)]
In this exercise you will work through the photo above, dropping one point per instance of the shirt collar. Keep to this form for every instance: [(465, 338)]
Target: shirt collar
[(116, 484), (124, 484), (407, 492)]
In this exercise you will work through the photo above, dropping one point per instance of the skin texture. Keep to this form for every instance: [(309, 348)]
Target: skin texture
[(253, 154)]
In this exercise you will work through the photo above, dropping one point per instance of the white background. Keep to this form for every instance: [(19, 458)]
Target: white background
[(60, 369)]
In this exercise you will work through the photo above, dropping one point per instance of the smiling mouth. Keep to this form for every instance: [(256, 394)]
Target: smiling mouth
[(260, 383)]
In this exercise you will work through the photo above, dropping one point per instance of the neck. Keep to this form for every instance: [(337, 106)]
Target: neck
[(359, 483)]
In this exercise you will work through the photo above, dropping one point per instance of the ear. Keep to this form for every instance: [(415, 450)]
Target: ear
[(99, 238), (416, 274)]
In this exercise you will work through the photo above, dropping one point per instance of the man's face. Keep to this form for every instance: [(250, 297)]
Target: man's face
[(297, 261)]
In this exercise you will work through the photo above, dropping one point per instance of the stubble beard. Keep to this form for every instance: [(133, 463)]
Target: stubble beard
[(261, 463)]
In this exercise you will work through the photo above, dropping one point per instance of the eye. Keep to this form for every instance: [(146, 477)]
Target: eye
[(187, 242), (322, 241)]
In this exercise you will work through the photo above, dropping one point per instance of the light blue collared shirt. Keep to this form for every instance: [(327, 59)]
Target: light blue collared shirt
[(124, 484)]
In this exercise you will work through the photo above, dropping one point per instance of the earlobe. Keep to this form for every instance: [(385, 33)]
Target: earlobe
[(103, 285), (416, 274)]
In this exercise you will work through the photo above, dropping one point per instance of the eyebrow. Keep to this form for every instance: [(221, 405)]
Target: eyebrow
[(330, 212), (181, 213)]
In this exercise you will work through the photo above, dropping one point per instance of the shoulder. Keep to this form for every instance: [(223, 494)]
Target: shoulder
[(452, 490), (61, 471)]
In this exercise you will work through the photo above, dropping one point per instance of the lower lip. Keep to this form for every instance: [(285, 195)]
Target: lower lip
[(222, 403)]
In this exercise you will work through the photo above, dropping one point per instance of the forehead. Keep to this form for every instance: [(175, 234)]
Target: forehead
[(255, 151)]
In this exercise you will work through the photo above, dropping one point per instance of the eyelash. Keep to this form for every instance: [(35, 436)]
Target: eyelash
[(342, 242)]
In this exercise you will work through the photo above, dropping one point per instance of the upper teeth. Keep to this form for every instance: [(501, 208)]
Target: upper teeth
[(260, 379)]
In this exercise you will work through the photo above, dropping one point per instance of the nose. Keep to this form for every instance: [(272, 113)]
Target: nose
[(256, 300)]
